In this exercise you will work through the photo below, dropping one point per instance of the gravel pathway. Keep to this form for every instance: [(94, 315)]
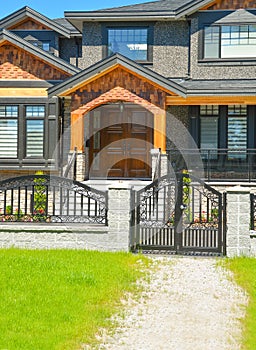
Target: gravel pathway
[(190, 303)]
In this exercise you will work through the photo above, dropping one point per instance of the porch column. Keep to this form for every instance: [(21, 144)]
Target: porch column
[(77, 131), (160, 130), (77, 140)]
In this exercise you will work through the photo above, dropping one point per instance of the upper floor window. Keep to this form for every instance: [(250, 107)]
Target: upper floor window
[(44, 45), (230, 41), (132, 42)]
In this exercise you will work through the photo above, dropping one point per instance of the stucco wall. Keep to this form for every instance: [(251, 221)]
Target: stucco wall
[(170, 50), (91, 44), (216, 70), (69, 51), (177, 124)]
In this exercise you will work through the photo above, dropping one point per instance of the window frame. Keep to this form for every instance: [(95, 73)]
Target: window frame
[(219, 58), (34, 117), (50, 159), (15, 118), (127, 25)]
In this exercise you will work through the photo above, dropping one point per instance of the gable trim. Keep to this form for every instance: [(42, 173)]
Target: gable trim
[(110, 63), (8, 37), (19, 15)]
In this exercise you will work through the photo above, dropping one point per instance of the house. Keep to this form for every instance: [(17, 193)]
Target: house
[(120, 84)]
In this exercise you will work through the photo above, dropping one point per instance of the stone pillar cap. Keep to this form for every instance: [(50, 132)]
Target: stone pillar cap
[(239, 188)]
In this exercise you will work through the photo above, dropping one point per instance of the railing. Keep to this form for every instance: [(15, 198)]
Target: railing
[(71, 165), (218, 164), (44, 198)]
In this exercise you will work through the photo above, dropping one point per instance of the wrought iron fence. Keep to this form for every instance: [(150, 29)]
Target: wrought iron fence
[(180, 214), (219, 164), (44, 198)]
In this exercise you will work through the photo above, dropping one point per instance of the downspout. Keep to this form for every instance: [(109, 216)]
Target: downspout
[(62, 112), (77, 50)]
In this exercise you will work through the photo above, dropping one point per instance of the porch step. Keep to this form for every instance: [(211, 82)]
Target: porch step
[(103, 185)]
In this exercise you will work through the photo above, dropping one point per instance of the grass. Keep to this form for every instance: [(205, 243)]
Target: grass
[(59, 299), (244, 270)]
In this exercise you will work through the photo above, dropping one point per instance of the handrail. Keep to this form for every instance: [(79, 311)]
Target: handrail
[(72, 162)]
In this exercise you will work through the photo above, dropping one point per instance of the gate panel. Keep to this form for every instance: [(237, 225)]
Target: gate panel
[(182, 215)]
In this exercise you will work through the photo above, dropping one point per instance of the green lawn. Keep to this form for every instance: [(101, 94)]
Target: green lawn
[(58, 299), (244, 270)]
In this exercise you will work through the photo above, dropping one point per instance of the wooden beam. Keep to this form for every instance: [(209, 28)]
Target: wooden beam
[(210, 100), (23, 92), (77, 131), (160, 130)]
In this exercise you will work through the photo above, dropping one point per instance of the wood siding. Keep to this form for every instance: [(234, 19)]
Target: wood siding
[(16, 63), (29, 24), (118, 78), (230, 5)]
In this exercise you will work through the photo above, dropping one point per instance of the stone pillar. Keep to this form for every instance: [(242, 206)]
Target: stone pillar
[(238, 221), (154, 155), (80, 166), (119, 216)]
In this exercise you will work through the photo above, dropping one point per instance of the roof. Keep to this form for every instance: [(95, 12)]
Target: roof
[(229, 87), (65, 23), (26, 12), (156, 10), (113, 61), (14, 39)]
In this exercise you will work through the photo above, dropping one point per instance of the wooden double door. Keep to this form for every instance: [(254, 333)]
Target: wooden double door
[(120, 143)]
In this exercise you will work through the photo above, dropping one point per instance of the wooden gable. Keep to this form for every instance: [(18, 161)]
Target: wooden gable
[(28, 24), (230, 5), (16, 63), (117, 77)]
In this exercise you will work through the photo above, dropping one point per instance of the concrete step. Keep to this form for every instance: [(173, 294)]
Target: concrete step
[(103, 185)]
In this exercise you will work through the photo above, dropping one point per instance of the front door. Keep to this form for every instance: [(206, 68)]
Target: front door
[(121, 140)]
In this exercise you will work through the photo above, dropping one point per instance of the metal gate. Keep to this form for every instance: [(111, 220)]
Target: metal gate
[(181, 215)]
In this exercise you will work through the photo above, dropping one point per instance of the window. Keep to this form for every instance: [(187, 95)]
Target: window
[(230, 41), (8, 131), (131, 42), (209, 123), (35, 131), (237, 131), (41, 44)]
